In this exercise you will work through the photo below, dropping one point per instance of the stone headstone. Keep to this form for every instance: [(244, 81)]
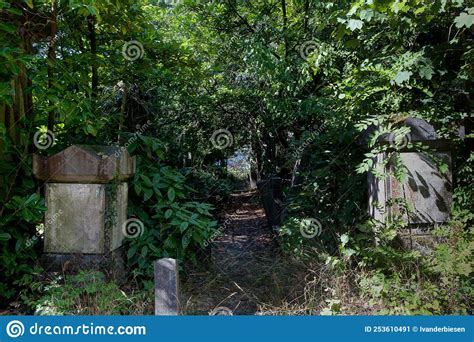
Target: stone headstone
[(271, 193), (86, 199), (427, 191), (166, 287)]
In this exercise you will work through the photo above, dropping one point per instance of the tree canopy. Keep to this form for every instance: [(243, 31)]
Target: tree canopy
[(185, 84)]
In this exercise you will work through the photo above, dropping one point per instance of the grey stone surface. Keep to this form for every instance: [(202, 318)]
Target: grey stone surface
[(120, 208), (426, 190), (166, 287), (420, 131), (85, 164), (86, 201), (75, 218), (85, 218)]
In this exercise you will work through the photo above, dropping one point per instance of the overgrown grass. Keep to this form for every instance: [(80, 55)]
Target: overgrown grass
[(88, 293)]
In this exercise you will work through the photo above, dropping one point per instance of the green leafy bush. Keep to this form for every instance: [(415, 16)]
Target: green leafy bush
[(174, 224), (21, 211)]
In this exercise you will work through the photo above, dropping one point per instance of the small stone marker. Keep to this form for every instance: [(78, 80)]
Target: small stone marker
[(166, 287)]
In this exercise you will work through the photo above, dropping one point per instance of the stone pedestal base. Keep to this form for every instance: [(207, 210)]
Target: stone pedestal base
[(112, 264), (418, 239)]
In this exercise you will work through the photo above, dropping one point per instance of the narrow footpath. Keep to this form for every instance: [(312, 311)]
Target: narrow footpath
[(237, 275)]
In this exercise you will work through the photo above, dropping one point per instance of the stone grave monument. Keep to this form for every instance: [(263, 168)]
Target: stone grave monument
[(271, 193), (426, 191), (86, 198)]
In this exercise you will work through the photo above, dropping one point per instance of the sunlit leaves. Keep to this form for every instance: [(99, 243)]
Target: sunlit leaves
[(402, 76), (354, 24), (465, 19)]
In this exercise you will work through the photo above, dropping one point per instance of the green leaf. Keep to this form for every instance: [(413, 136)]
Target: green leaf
[(131, 252), (148, 194), (366, 15), (344, 239), (426, 72), (355, 24), (403, 76), (7, 28), (185, 241), (183, 226), (168, 213), (171, 194), (5, 236), (144, 252), (15, 11), (464, 20), (137, 187), (146, 180)]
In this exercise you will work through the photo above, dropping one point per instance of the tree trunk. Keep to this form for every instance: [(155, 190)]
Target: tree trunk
[(285, 27), (123, 109), (93, 46), (306, 16), (52, 60)]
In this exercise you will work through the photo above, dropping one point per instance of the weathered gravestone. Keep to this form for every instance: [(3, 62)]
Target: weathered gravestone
[(86, 199), (426, 191), (271, 193)]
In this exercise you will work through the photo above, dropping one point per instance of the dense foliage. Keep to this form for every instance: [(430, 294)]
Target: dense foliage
[(295, 81)]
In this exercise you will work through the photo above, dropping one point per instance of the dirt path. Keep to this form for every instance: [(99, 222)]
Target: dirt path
[(237, 275)]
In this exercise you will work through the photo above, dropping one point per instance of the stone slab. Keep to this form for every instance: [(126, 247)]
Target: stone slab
[(166, 287), (75, 218), (427, 190)]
